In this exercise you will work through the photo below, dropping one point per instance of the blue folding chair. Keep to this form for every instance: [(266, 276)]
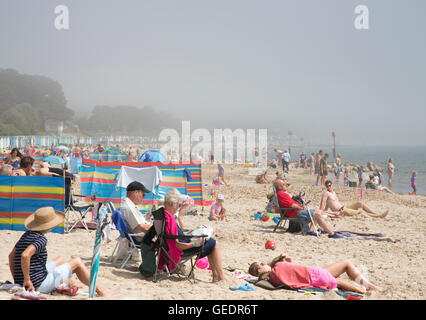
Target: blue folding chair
[(133, 244)]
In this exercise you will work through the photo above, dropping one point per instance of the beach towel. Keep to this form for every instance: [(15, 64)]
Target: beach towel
[(265, 284), (150, 177), (366, 236), (240, 274), (174, 251)]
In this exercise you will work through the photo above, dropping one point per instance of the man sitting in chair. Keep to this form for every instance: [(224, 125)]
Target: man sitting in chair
[(136, 220), (285, 201)]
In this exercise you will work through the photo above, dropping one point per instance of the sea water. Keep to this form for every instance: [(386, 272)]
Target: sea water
[(406, 159)]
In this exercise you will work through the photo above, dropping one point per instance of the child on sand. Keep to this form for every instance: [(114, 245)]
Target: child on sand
[(217, 211), (413, 182), (221, 174), (27, 261), (346, 178)]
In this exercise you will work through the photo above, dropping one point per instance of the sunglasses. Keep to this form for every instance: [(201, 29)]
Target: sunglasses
[(329, 185), (287, 184)]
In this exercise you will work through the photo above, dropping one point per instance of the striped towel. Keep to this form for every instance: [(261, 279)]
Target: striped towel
[(366, 236)]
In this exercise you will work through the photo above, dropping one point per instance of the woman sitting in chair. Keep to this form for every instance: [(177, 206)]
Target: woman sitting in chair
[(172, 203)]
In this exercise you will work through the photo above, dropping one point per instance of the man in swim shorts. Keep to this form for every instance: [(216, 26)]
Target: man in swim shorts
[(329, 201)]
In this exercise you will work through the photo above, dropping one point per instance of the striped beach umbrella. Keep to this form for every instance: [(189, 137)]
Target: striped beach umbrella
[(103, 219)]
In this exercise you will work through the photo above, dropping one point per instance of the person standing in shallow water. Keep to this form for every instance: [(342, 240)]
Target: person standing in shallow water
[(391, 170), (414, 182)]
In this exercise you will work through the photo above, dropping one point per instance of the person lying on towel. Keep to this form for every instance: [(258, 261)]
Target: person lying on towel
[(281, 271)]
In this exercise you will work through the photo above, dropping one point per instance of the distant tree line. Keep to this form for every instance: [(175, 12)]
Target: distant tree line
[(126, 120), (27, 101)]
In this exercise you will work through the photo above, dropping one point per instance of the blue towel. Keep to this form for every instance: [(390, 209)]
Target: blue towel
[(188, 174)]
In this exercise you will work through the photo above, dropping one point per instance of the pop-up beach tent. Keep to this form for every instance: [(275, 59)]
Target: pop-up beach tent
[(152, 156)]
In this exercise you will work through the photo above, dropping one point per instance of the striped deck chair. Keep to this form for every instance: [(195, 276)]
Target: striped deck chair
[(154, 246)]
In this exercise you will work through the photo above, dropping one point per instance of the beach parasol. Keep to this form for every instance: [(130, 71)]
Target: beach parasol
[(54, 160), (103, 220)]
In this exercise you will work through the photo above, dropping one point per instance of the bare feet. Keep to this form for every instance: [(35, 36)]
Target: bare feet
[(384, 214), (372, 287)]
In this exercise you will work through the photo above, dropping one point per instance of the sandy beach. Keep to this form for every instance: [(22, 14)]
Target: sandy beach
[(397, 267)]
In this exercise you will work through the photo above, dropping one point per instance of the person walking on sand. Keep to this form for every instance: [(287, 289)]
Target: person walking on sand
[(317, 166), (281, 271), (286, 161), (391, 170), (330, 201), (221, 174), (311, 163), (337, 168), (323, 171)]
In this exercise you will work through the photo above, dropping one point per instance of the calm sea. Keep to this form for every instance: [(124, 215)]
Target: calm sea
[(405, 159)]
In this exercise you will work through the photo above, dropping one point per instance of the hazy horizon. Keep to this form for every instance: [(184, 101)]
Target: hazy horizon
[(281, 65)]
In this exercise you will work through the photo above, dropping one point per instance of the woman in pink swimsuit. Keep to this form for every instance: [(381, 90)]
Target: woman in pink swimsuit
[(282, 272)]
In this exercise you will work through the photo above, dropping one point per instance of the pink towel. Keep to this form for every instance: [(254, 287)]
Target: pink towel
[(174, 251)]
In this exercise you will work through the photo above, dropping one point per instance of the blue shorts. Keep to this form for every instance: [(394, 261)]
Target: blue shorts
[(56, 275), (304, 214), (207, 249)]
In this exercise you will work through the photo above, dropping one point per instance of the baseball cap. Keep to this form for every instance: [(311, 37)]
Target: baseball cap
[(137, 186)]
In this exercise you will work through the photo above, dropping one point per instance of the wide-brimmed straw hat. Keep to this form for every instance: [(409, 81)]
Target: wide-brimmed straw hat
[(44, 219)]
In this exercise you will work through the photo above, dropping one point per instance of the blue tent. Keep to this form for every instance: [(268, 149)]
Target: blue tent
[(54, 160), (152, 156)]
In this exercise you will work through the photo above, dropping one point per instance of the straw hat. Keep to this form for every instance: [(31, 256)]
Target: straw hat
[(44, 219)]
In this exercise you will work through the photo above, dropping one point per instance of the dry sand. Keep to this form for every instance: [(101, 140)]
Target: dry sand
[(397, 267)]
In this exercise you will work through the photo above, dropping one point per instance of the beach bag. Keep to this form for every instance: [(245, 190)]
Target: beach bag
[(147, 268), (294, 227), (298, 199)]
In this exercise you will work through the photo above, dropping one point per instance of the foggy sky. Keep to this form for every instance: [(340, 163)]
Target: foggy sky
[(281, 65)]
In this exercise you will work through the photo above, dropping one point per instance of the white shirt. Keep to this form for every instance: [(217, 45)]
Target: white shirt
[(132, 216)]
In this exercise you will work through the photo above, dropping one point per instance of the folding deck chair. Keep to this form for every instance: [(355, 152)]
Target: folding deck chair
[(76, 209), (154, 242), (283, 218), (133, 244)]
